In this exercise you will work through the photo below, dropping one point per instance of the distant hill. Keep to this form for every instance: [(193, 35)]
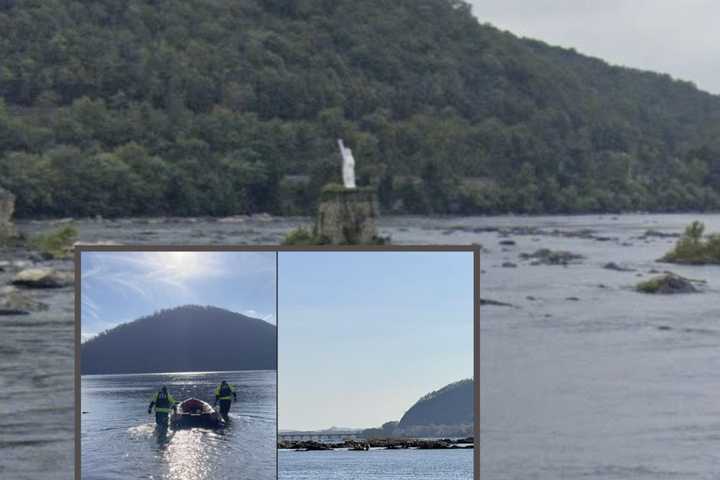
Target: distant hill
[(448, 411), (217, 107), (451, 405), (183, 339)]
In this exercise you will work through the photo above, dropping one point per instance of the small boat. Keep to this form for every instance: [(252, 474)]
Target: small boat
[(196, 413)]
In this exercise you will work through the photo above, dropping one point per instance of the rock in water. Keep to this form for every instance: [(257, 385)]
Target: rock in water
[(7, 207), (546, 256), (13, 302), (616, 267), (347, 216), (43, 278), (313, 446), (667, 284)]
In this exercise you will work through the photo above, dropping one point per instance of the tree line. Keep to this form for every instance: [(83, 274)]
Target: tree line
[(219, 107)]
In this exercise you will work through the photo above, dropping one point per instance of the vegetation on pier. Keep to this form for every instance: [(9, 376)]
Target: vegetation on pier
[(304, 236)]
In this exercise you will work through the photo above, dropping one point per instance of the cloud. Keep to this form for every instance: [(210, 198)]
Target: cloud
[(129, 284), (89, 307), (144, 273)]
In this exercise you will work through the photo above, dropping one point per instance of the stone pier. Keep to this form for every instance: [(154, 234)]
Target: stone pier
[(346, 216)]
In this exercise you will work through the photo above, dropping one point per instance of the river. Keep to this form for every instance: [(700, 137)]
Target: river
[(376, 464), (119, 439), (583, 377)]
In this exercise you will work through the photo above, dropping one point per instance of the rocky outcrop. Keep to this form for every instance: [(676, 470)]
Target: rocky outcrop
[(546, 256), (43, 278), (12, 302), (658, 234), (392, 443), (668, 283), (7, 207), (310, 446), (347, 216), (617, 268)]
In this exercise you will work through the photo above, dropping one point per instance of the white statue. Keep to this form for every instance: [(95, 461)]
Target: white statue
[(348, 165)]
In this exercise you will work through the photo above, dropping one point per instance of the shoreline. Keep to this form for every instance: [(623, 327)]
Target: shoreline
[(379, 444), (264, 216)]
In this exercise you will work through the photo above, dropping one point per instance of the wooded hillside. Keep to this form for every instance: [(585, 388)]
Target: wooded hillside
[(205, 107)]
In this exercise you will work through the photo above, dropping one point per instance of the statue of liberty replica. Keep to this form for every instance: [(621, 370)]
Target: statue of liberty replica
[(347, 213)]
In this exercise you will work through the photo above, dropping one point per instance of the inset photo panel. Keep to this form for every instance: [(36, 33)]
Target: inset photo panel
[(377, 365), (177, 364)]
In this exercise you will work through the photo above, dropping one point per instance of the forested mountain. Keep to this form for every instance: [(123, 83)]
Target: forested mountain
[(215, 107), (451, 405), (190, 338), (448, 411)]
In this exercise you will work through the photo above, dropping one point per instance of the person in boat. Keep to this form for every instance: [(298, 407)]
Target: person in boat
[(163, 403), (225, 394)]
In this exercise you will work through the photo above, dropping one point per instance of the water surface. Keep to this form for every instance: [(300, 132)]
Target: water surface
[(119, 438), (594, 388), (376, 464)]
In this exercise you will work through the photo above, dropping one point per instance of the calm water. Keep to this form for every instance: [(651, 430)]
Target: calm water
[(119, 440), (376, 464), (570, 389)]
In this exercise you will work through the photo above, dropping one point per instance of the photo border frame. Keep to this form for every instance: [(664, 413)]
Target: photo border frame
[(87, 248)]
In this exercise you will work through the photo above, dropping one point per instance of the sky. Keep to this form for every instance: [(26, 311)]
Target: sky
[(678, 37), (118, 287), (363, 335)]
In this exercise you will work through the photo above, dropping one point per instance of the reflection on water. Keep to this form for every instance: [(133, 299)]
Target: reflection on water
[(188, 455), (119, 439), (376, 464)]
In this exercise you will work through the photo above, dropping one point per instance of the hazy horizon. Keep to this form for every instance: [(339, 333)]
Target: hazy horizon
[(664, 36)]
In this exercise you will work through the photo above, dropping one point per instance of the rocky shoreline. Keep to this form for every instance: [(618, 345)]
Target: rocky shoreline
[(379, 443)]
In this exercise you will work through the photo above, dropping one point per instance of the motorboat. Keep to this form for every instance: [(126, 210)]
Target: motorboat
[(196, 413)]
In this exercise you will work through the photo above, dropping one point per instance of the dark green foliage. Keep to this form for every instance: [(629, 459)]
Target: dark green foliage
[(202, 107), (669, 283), (303, 236), (182, 339), (692, 249), (56, 244), (450, 405)]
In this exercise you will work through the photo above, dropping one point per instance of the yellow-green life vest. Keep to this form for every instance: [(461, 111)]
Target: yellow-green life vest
[(224, 393), (163, 402)]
